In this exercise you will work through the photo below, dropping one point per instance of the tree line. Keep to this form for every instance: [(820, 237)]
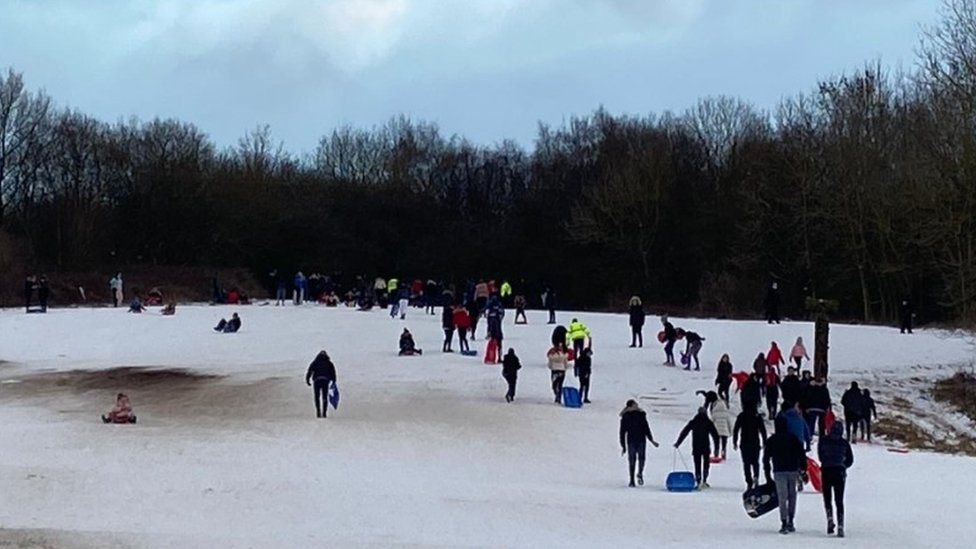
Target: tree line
[(861, 190)]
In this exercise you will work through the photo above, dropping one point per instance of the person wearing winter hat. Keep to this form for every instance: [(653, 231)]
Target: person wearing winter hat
[(799, 352), (637, 315), (583, 368), (836, 458), (853, 403), (749, 435), (510, 367), (702, 432), (634, 432)]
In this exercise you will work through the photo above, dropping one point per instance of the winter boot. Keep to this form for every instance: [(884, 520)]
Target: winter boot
[(790, 527), (840, 524), (830, 520), (640, 479), (785, 528)]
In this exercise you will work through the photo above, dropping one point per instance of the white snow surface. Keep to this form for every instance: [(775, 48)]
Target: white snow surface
[(423, 451)]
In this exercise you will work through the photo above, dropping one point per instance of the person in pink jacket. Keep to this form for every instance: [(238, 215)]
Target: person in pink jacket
[(774, 358), (798, 352)]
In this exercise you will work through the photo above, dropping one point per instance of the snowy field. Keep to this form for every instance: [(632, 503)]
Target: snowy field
[(423, 451)]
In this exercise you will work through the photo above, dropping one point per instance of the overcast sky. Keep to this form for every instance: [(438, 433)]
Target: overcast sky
[(486, 69)]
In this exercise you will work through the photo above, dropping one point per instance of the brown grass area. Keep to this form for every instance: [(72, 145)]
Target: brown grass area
[(959, 391)]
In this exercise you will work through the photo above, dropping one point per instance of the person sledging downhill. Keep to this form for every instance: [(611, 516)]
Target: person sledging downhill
[(634, 432)]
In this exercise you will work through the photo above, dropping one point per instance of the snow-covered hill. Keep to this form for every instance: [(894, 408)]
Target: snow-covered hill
[(423, 450)]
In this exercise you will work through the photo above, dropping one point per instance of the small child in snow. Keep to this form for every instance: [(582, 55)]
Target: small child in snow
[(407, 345), (136, 306), (121, 412)]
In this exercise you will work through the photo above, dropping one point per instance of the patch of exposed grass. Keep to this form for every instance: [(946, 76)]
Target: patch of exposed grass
[(959, 391)]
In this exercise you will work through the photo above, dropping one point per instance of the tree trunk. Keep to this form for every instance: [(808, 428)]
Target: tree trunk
[(820, 337)]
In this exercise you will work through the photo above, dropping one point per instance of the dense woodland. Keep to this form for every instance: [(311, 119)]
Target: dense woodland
[(861, 190)]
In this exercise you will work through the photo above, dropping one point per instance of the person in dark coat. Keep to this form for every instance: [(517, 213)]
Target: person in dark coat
[(790, 387), (43, 291), (447, 323), (510, 367), (407, 345), (853, 403), (702, 433), (634, 432), (751, 393), (670, 337), (321, 374), (749, 434), (474, 313), (906, 314), (723, 377), (583, 368), (229, 326), (785, 453), (30, 284), (771, 303), (637, 315), (550, 303), (815, 403), (772, 392), (870, 412), (836, 458)]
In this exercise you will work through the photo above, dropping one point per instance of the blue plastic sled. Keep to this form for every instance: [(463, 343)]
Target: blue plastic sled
[(469, 353), (571, 397), (334, 395), (680, 481)]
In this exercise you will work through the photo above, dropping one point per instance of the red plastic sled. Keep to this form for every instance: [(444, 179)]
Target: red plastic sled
[(491, 352), (829, 419), (715, 459), (660, 336), (813, 473)]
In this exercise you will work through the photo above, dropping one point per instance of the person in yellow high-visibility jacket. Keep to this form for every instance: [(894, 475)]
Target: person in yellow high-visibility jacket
[(505, 292), (578, 334)]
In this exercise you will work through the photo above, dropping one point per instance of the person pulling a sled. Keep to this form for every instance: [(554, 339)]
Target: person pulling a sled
[(634, 432)]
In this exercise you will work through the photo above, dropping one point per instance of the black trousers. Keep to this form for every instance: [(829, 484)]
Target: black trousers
[(320, 388), (834, 481), (552, 316), (463, 339), (558, 377), (448, 337), (511, 386), (750, 463), (635, 456), (851, 422), (584, 386), (701, 466), (636, 336), (723, 389)]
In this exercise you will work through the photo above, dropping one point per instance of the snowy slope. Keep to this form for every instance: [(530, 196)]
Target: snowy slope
[(423, 451)]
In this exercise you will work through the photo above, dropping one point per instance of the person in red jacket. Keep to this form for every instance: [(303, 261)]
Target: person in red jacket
[(462, 321), (774, 358)]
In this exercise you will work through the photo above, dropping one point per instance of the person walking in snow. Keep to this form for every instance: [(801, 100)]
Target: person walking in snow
[(637, 315), (749, 436), (494, 314), (510, 367), (751, 393), (790, 387), (836, 458), (693, 344), (300, 286), (815, 404), (798, 353), (583, 367), (634, 432), (784, 455), (115, 286), (549, 300), (702, 432), (722, 418), (774, 358), (462, 322), (723, 377), (520, 317), (796, 424), (670, 337), (906, 314), (321, 374), (853, 403), (771, 303), (772, 392), (447, 324), (558, 360), (869, 410)]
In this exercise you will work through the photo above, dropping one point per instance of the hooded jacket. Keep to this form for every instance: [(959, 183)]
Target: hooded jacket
[(749, 431), (578, 330), (633, 427), (701, 428), (784, 451), (510, 366), (796, 425), (636, 313), (833, 450), (722, 418), (853, 401), (321, 368)]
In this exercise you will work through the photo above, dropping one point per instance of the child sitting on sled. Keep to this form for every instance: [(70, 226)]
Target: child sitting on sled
[(121, 412)]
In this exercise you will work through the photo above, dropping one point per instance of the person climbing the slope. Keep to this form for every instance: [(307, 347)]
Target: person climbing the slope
[(510, 367), (634, 432), (583, 367), (870, 412), (784, 455), (321, 374), (723, 377), (722, 418), (702, 432), (798, 353), (774, 358), (853, 403), (836, 458), (749, 436), (558, 360)]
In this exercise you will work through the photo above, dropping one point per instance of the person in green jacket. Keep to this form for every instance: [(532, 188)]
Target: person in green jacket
[(505, 292), (578, 334)]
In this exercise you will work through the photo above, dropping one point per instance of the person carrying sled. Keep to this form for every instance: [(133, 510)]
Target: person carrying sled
[(634, 432), (702, 432), (723, 377), (836, 458), (853, 403), (670, 337), (229, 326), (121, 412), (407, 345), (321, 374), (558, 360), (786, 456), (447, 323), (637, 315), (693, 344), (462, 322), (582, 368), (799, 352), (578, 334), (749, 436), (510, 367)]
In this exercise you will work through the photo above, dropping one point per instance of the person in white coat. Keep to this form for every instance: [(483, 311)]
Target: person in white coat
[(722, 418)]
